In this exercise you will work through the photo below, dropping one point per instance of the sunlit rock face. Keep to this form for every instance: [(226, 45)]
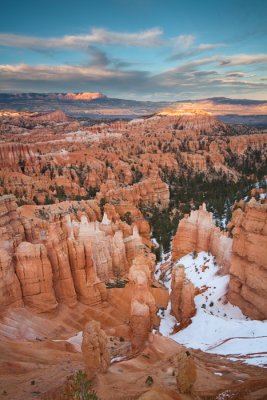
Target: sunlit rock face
[(244, 256), (143, 306), (147, 192), (248, 283), (185, 371), (10, 290), (182, 296), (11, 153), (57, 250), (52, 256), (197, 232), (85, 96), (34, 272), (11, 235), (94, 349)]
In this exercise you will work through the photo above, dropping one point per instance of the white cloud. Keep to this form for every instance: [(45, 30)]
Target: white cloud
[(147, 38), (183, 41), (56, 73), (210, 46), (243, 59)]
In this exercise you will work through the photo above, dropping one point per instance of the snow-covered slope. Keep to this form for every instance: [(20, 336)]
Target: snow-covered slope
[(218, 326)]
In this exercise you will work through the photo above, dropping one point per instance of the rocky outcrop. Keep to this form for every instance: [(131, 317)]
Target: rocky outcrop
[(15, 155), (194, 119), (94, 349), (85, 96), (185, 371), (10, 290), (11, 228), (151, 191), (182, 297), (34, 272), (143, 307), (197, 232), (248, 271), (11, 235), (57, 116), (57, 250), (52, 255)]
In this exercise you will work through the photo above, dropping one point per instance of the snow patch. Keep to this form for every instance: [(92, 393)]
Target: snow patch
[(218, 326)]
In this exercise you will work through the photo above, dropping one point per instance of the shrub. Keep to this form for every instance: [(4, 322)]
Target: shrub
[(127, 217), (149, 380), (78, 387)]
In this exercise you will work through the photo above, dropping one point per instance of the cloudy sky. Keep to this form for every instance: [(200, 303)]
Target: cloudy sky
[(135, 49)]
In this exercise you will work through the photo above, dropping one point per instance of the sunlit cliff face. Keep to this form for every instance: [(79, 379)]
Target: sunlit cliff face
[(209, 107), (189, 112), (83, 96)]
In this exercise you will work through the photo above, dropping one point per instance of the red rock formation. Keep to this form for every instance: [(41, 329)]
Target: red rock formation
[(197, 232), (54, 116), (148, 192), (57, 251), (182, 296), (11, 234), (10, 290), (248, 282), (143, 308), (78, 255), (94, 349), (185, 371), (85, 96), (11, 154), (35, 275), (11, 228)]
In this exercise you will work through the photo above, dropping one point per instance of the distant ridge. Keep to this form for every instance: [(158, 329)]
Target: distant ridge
[(98, 106)]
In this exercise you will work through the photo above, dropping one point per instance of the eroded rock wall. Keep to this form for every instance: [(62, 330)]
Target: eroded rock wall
[(182, 296), (143, 305), (248, 271), (197, 232), (51, 255)]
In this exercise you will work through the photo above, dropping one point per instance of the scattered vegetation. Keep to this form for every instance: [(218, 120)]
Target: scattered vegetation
[(78, 387), (149, 381), (127, 217)]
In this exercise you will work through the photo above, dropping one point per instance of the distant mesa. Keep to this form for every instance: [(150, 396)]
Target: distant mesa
[(183, 111), (85, 96)]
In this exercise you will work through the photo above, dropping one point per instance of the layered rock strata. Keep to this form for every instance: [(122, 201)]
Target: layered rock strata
[(143, 306), (51, 255), (248, 271), (34, 272), (197, 232)]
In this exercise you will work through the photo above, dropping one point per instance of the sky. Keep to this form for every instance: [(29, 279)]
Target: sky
[(135, 49)]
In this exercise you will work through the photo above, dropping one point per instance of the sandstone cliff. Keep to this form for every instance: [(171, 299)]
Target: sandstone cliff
[(248, 283), (34, 272), (197, 232), (182, 297), (11, 235), (94, 349), (143, 306), (62, 254)]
